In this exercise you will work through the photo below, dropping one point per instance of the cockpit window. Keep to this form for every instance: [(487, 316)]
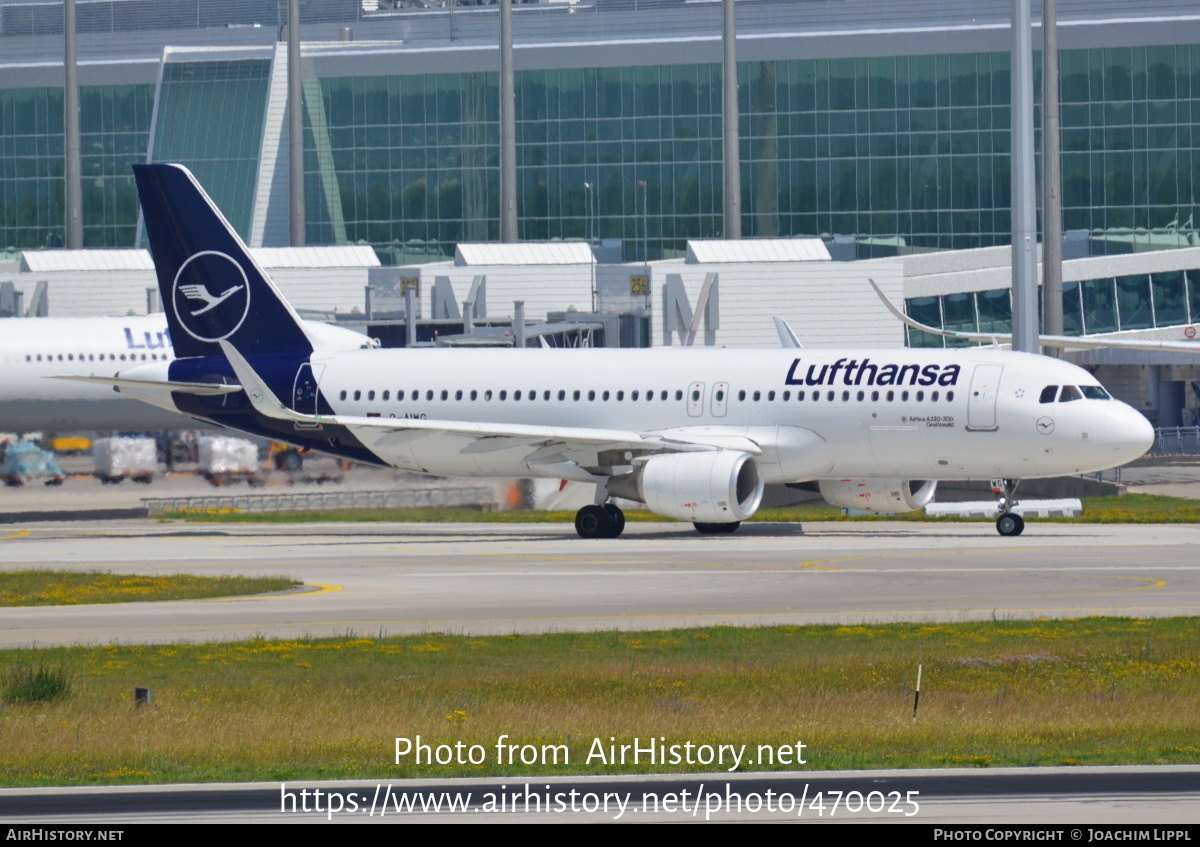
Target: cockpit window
[(1048, 394), (1069, 393), (1094, 392)]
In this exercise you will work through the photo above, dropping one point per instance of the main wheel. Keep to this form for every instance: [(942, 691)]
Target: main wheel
[(1010, 524), (617, 519), (593, 522), (716, 528)]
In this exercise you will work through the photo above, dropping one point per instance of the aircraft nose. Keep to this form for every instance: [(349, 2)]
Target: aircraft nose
[(1132, 433)]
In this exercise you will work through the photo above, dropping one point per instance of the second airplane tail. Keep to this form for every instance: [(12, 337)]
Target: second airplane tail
[(212, 289)]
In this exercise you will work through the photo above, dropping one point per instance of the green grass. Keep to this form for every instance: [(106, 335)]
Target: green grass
[(1129, 508), (74, 588), (39, 683), (1089, 691)]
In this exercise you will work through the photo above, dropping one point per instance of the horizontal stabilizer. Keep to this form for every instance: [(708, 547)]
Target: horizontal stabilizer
[(202, 389)]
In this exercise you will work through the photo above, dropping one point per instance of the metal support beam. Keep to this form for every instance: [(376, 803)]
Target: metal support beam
[(72, 169), (1052, 297), (295, 130), (508, 129), (729, 119), (1024, 210)]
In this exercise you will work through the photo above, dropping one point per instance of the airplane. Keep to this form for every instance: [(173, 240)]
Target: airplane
[(694, 434), (33, 351)]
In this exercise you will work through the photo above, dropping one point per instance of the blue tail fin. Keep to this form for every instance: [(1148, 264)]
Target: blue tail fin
[(212, 289)]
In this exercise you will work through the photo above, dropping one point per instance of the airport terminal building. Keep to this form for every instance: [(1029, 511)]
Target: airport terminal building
[(880, 127)]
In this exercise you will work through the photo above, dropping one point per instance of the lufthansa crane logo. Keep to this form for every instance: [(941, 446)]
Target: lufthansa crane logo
[(211, 296)]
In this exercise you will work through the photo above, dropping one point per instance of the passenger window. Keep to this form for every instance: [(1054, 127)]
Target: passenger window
[(1048, 394), (861, 394), (503, 395), (604, 396), (891, 395), (343, 395), (741, 394), (487, 395), (633, 395), (399, 395), (546, 395), (845, 396), (903, 395), (592, 394), (458, 394), (696, 394), (949, 396), (829, 396), (429, 394), (562, 395), (664, 395), (517, 395), (720, 395), (757, 396), (387, 395), (770, 395), (357, 395), (875, 394), (575, 394), (1069, 393), (649, 396), (371, 395), (787, 395), (474, 394), (678, 394), (934, 395), (816, 396)]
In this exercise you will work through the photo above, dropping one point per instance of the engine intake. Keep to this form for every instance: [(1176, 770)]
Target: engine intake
[(718, 486), (883, 496)]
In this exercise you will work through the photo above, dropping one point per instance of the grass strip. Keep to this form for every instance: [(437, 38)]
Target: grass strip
[(77, 588), (1087, 691), (1129, 508)]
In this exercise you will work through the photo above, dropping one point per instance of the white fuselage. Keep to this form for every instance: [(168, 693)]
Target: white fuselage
[(815, 414), (35, 350)]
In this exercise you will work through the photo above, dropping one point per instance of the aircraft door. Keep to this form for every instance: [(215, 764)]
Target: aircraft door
[(695, 399), (981, 404), (720, 399), (304, 392)]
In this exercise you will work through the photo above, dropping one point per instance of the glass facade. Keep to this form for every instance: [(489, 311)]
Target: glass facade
[(114, 130), (1109, 304), (210, 118), (907, 153), (910, 152)]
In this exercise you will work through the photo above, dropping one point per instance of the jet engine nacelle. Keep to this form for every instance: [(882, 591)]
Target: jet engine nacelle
[(718, 486), (886, 496)]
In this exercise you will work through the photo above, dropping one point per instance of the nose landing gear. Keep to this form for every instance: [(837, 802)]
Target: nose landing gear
[(1009, 524)]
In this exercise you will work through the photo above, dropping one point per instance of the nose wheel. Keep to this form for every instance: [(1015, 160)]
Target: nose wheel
[(1009, 524), (607, 521)]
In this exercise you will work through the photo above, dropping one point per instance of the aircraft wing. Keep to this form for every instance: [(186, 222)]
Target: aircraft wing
[(1066, 341), (547, 443)]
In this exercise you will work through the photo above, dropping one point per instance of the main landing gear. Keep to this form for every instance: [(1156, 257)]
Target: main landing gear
[(600, 521), (1009, 524)]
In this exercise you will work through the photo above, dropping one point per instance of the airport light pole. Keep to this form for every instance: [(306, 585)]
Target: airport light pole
[(296, 222), (1052, 297), (729, 119), (1024, 212), (72, 167)]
